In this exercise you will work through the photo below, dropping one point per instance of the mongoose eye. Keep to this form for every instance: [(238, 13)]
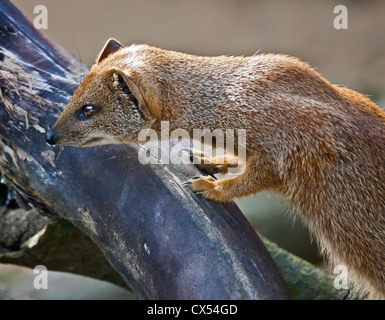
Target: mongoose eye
[(87, 112)]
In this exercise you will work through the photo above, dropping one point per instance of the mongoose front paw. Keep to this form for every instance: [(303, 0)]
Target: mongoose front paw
[(211, 165), (205, 186)]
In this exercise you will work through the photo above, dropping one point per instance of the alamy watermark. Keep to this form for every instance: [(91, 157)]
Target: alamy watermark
[(341, 281), (341, 20), (231, 141), (40, 281), (41, 20)]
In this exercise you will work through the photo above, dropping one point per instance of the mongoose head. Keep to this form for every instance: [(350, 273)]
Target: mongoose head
[(110, 106)]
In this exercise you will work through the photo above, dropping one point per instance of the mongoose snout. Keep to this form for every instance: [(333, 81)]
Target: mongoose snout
[(50, 137)]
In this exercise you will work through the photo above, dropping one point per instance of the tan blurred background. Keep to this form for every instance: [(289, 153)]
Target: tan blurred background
[(354, 57)]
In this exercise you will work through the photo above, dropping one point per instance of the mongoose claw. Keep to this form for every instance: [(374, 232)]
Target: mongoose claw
[(216, 169), (211, 165), (187, 184), (198, 184)]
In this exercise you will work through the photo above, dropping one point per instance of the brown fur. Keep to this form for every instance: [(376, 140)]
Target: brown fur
[(320, 146)]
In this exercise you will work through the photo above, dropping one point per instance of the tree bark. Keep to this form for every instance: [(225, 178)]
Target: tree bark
[(28, 239), (164, 241)]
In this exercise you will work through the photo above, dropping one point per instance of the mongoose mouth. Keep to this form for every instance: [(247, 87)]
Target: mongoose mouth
[(93, 142)]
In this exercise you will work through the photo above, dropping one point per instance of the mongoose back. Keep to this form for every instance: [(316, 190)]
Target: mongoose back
[(320, 146)]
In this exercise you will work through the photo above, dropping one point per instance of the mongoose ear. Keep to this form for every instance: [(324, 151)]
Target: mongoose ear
[(111, 46), (135, 92)]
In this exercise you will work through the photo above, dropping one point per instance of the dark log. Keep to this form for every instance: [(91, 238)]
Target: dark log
[(28, 239), (165, 242)]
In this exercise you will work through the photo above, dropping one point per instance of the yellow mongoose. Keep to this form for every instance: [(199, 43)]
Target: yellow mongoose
[(320, 146)]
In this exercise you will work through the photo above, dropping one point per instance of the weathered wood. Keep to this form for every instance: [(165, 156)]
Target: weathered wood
[(29, 239), (164, 241)]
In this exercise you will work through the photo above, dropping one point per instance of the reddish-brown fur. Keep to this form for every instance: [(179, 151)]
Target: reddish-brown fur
[(319, 146)]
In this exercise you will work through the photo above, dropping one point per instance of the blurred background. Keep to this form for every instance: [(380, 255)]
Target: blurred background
[(354, 58)]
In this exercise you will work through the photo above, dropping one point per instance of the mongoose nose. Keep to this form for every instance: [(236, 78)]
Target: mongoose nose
[(50, 137)]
